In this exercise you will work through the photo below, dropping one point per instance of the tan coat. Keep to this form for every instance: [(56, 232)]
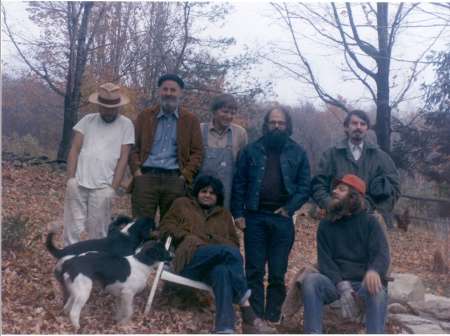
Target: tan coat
[(191, 228), (189, 141)]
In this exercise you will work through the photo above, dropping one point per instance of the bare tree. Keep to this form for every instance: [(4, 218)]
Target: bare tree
[(61, 54), (84, 43), (366, 41)]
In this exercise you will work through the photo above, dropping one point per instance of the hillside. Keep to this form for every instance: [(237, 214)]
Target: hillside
[(33, 200)]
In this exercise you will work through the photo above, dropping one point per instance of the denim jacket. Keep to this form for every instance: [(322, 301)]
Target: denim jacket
[(249, 176)]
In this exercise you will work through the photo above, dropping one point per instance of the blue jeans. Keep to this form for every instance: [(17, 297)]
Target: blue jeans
[(318, 290), (221, 267), (268, 239)]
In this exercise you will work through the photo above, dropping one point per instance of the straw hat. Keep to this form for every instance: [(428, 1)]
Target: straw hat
[(109, 95)]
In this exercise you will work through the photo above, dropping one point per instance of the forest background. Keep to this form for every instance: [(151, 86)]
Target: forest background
[(322, 60)]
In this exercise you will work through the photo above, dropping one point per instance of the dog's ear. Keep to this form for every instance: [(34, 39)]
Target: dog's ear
[(117, 223), (146, 226), (120, 220)]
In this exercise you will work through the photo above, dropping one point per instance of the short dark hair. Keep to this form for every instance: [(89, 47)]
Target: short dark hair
[(223, 100), (171, 77), (203, 181), (360, 114), (287, 115)]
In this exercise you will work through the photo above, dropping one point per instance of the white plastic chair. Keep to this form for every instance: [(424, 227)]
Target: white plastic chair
[(167, 275)]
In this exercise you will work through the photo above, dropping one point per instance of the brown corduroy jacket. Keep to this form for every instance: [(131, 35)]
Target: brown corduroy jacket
[(189, 141), (191, 228)]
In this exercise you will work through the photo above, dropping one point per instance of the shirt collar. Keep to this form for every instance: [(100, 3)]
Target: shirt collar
[(212, 128), (161, 114), (353, 147)]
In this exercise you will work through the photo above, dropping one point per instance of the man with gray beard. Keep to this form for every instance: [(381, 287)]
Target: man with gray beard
[(168, 151)]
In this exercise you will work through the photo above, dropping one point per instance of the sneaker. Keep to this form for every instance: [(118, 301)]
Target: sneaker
[(224, 331), (258, 326)]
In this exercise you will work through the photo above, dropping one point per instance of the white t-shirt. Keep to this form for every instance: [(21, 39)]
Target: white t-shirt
[(101, 147)]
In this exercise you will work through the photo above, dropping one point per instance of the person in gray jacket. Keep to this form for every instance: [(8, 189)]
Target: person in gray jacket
[(355, 155)]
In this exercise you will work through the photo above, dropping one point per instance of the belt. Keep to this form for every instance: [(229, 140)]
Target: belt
[(159, 171)]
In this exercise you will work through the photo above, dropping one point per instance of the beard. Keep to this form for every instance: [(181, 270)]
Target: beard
[(169, 104), (276, 139), (108, 119), (339, 208), (357, 136)]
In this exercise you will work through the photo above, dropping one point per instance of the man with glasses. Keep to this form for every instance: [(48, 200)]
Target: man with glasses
[(222, 142), (271, 182)]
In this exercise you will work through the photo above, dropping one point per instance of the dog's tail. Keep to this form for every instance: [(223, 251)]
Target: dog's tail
[(54, 251)]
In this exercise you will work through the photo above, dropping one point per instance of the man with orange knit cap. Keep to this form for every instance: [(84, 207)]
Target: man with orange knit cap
[(353, 259)]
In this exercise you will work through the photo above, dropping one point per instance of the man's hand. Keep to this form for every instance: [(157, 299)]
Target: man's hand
[(349, 308), (70, 179), (282, 212), (240, 223), (112, 191), (372, 282), (137, 172)]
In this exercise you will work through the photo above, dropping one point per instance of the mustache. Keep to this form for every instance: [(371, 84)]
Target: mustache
[(170, 98)]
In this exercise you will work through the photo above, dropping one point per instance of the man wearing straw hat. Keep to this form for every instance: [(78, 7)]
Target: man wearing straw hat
[(96, 164)]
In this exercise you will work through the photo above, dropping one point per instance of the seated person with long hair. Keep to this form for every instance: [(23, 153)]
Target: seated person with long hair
[(207, 250)]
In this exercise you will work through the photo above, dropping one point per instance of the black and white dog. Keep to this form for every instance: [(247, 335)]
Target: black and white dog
[(124, 237), (121, 276), (121, 241)]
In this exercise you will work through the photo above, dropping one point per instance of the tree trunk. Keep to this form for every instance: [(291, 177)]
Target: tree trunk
[(77, 64), (70, 117), (383, 122)]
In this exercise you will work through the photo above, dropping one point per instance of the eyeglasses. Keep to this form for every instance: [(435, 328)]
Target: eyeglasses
[(275, 123)]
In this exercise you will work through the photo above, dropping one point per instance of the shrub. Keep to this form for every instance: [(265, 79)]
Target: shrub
[(14, 231)]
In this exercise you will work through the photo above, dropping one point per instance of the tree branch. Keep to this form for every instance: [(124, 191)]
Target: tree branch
[(322, 94), (347, 47), (360, 78), (45, 76), (186, 12), (366, 47)]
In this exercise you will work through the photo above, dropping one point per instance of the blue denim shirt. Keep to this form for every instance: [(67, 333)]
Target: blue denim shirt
[(164, 150), (249, 175)]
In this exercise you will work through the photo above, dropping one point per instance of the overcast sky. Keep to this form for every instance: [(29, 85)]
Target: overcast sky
[(253, 24)]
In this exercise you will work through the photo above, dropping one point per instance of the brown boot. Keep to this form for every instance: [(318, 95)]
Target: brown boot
[(258, 326)]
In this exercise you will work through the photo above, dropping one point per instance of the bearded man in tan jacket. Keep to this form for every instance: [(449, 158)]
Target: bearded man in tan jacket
[(168, 151)]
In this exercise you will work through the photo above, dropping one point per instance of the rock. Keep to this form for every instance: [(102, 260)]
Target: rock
[(417, 325), (397, 308), (445, 326), (406, 287), (433, 306)]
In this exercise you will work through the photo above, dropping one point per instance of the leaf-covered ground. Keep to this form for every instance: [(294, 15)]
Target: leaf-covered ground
[(31, 301)]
